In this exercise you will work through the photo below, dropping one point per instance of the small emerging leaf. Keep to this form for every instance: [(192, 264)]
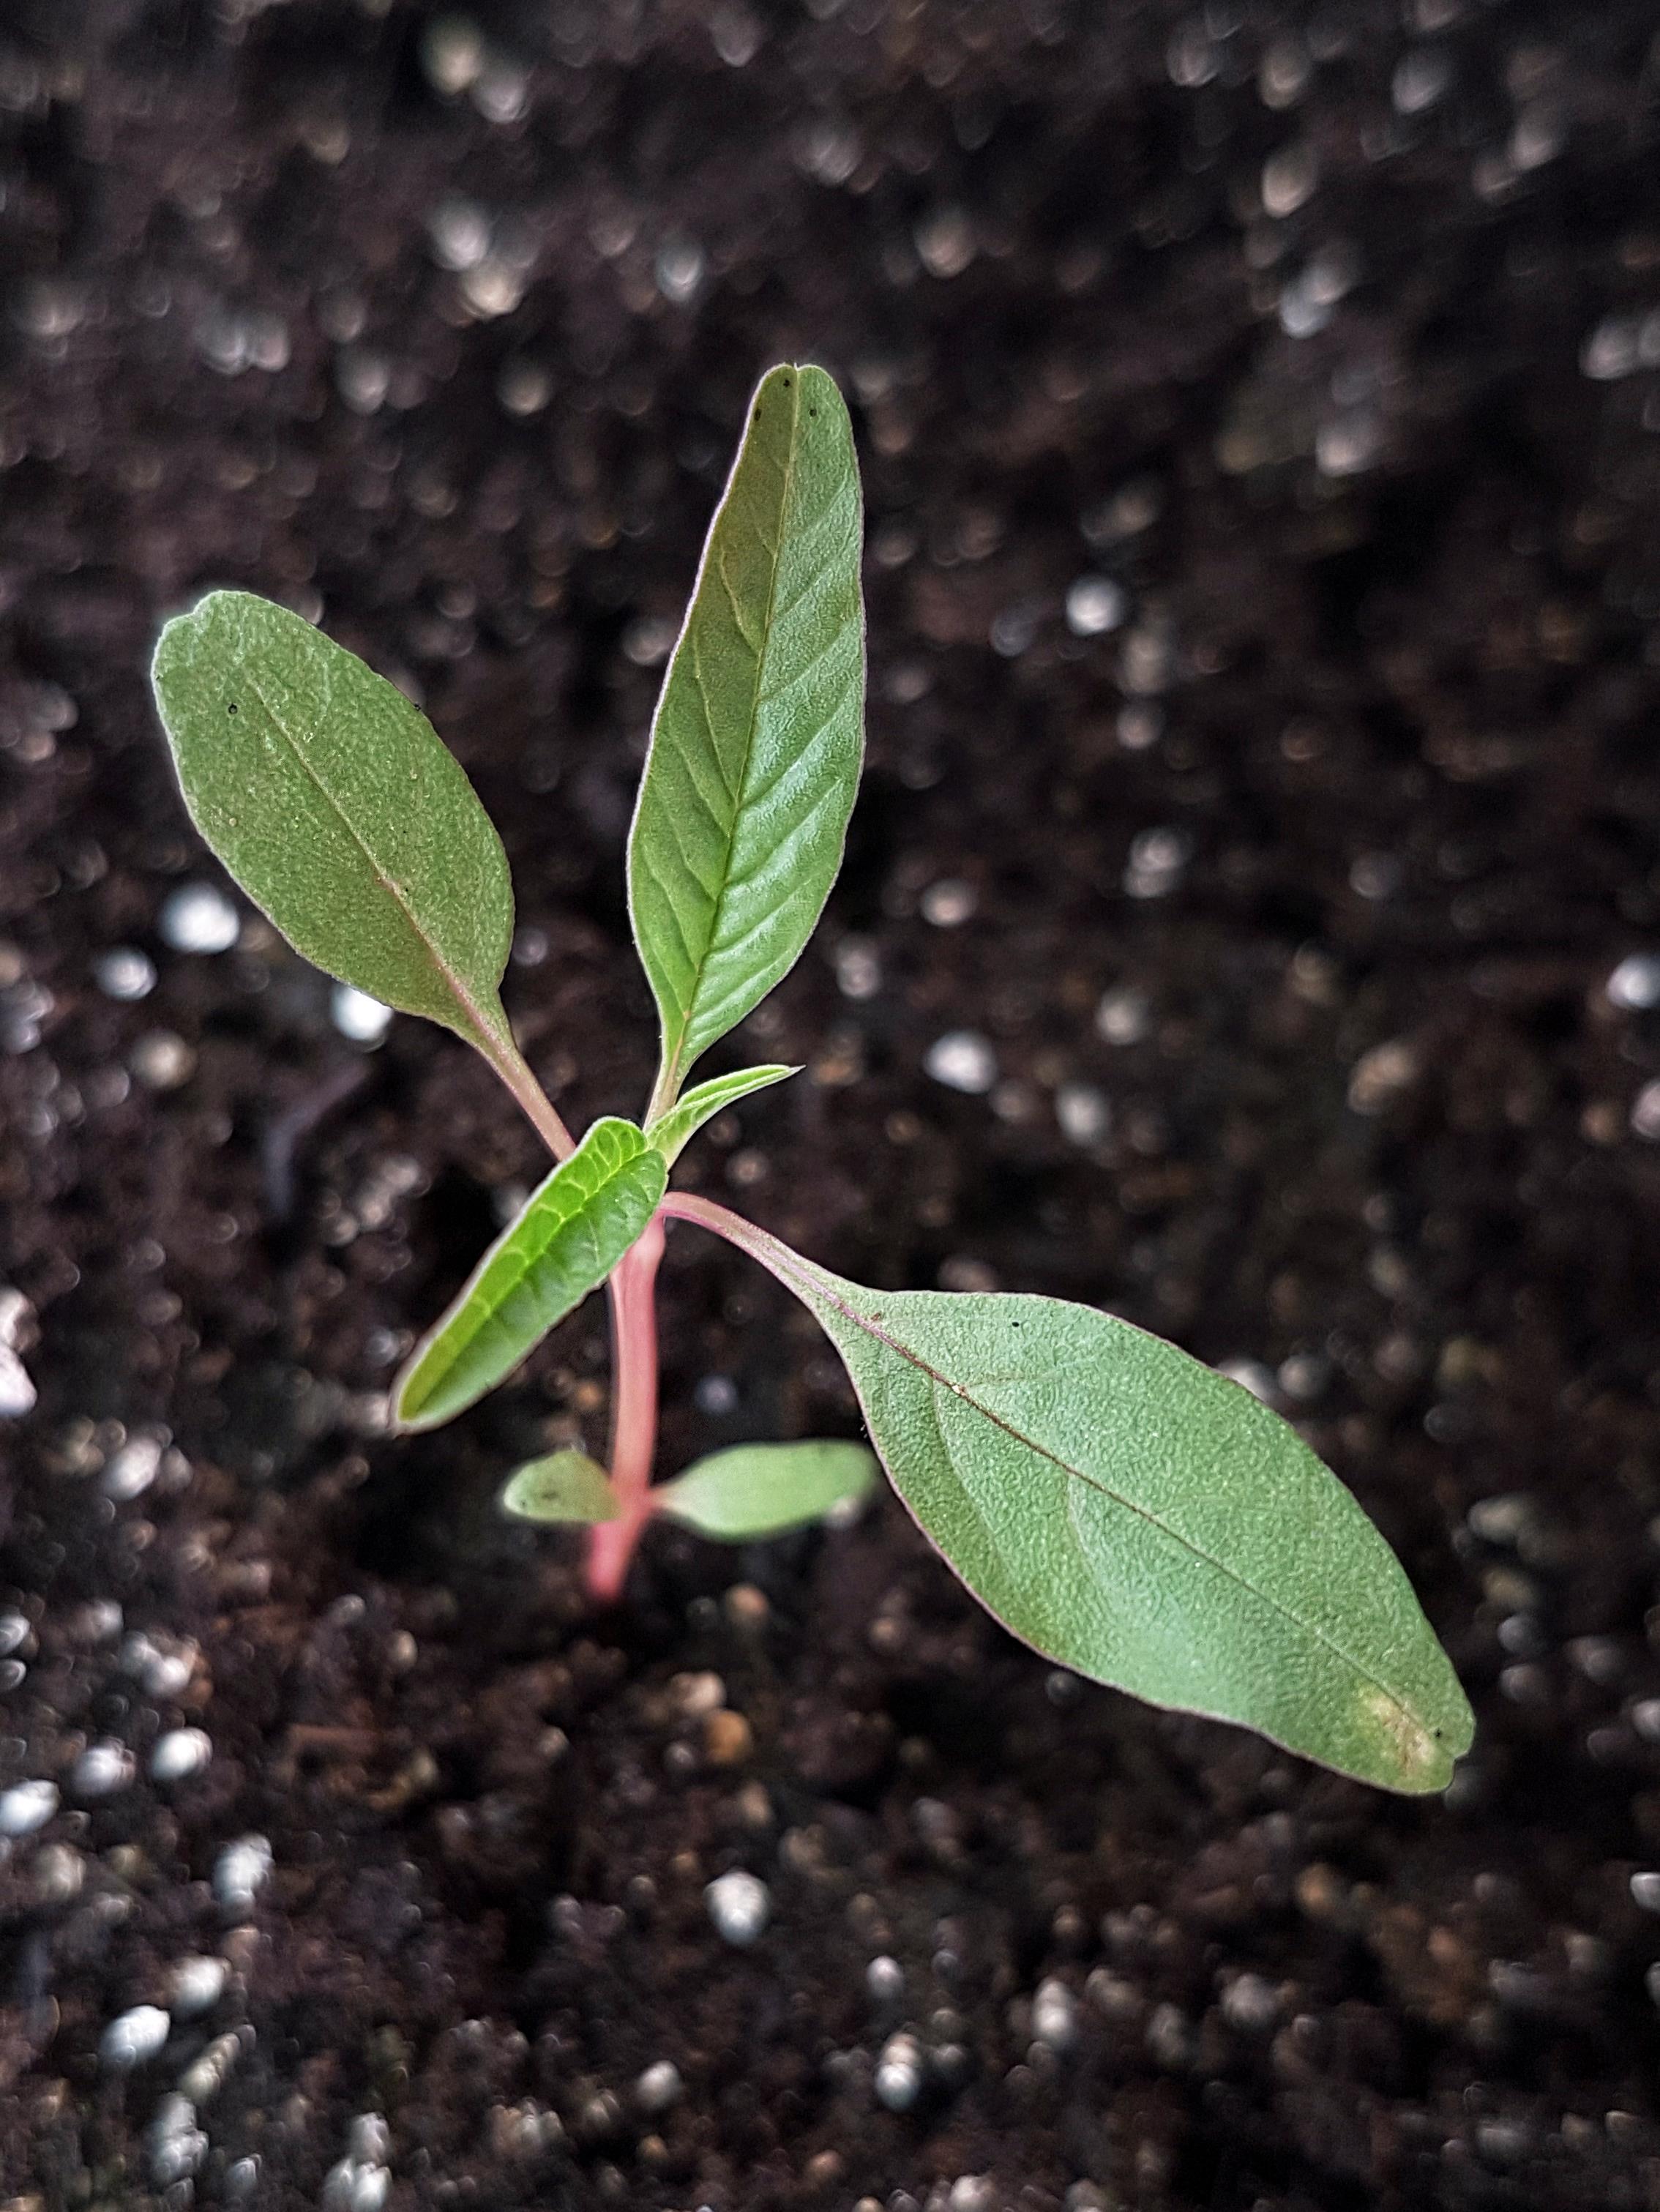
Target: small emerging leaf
[(671, 1132), (1137, 1516), (759, 735), (572, 1233), (567, 1485), (337, 807), (758, 1489)]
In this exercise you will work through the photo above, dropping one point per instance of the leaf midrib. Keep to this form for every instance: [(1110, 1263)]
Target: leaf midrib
[(463, 997), (1103, 1489), (671, 1070)]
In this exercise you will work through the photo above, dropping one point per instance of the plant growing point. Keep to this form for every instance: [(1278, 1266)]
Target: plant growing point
[(1120, 1507)]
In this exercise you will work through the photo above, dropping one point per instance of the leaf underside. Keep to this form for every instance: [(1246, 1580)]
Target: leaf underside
[(565, 1486), (570, 1234), (672, 1131), (758, 736), (1140, 1518), (337, 807), (760, 1489)]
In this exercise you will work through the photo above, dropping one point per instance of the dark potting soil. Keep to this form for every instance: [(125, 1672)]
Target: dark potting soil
[(1278, 875)]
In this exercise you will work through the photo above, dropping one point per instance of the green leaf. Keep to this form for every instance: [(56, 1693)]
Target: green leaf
[(758, 1489), (571, 1234), (758, 736), (336, 806), (671, 1132), (1138, 1517), (567, 1485)]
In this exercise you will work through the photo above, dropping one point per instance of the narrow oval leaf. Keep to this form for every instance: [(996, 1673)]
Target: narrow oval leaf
[(759, 1489), (572, 1233), (338, 810), (1138, 1517), (671, 1132), (567, 1485), (759, 735)]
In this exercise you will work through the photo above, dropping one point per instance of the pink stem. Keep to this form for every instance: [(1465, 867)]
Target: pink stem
[(633, 1290)]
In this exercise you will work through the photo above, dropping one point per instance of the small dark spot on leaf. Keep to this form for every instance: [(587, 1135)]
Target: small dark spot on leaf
[(231, 710)]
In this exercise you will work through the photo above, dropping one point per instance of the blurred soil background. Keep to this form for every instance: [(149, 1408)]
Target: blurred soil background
[(1251, 923)]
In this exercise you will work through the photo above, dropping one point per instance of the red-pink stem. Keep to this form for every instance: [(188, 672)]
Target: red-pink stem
[(633, 1291)]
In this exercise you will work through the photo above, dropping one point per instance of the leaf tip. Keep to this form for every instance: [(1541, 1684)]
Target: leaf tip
[(817, 390), (182, 636), (1418, 1755), (402, 1422), (173, 639), (407, 1401), (565, 1487)]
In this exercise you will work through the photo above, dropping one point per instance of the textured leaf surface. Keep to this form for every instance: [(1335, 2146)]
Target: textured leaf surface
[(758, 736), (1136, 1516), (674, 1130), (567, 1485), (758, 1489), (337, 807), (571, 1234)]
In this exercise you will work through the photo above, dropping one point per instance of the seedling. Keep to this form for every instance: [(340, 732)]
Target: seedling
[(1125, 1510)]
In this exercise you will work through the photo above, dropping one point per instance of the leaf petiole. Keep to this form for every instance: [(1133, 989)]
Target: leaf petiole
[(511, 1066)]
